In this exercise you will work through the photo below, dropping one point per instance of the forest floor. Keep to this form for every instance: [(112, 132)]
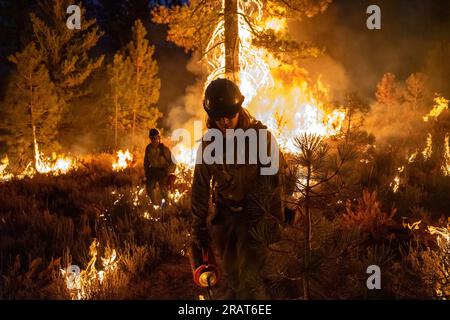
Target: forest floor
[(50, 222), (102, 222)]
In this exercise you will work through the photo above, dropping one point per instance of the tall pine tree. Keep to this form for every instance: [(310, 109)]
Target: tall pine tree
[(65, 51), (387, 92), (119, 75), (32, 108), (415, 93), (144, 84)]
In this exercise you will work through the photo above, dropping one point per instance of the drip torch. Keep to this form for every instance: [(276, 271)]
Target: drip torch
[(204, 267)]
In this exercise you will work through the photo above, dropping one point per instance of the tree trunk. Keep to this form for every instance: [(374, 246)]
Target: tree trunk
[(136, 102), (115, 120), (134, 125), (308, 236), (33, 127), (231, 40)]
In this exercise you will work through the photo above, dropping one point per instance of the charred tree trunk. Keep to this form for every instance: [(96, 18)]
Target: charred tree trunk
[(308, 235), (231, 40)]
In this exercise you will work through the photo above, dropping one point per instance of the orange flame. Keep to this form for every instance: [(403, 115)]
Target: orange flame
[(57, 165), (124, 158), (85, 284)]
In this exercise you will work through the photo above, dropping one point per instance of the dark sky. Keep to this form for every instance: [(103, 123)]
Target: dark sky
[(409, 30)]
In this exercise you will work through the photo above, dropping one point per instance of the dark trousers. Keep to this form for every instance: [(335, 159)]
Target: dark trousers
[(156, 176), (242, 256)]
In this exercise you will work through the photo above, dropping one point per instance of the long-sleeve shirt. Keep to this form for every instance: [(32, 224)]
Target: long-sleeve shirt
[(158, 158)]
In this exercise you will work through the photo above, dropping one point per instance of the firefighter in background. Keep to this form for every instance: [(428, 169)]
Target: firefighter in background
[(238, 192), (158, 167)]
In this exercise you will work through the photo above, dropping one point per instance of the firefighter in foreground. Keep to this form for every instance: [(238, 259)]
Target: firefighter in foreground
[(158, 167), (243, 200)]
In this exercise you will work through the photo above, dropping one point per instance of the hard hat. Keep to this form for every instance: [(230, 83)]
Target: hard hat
[(153, 133), (222, 98)]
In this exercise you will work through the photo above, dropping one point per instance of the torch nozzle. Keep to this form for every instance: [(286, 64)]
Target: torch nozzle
[(208, 278)]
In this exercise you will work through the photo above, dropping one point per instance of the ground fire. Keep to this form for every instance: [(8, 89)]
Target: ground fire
[(100, 129)]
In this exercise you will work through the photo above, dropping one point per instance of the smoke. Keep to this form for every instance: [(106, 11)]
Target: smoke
[(413, 38), (436, 65), (182, 113), (330, 72), (188, 107), (357, 57)]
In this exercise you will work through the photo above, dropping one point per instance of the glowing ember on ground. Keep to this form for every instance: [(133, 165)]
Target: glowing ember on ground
[(124, 158), (4, 176), (176, 195)]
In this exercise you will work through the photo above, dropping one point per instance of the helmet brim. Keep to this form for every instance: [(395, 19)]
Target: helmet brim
[(217, 113)]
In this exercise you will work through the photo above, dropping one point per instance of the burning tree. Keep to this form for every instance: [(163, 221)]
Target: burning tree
[(249, 42), (33, 108), (414, 171), (387, 91), (415, 94), (204, 26)]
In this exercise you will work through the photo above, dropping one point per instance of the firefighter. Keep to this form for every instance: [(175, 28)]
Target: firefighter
[(158, 167), (243, 199)]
